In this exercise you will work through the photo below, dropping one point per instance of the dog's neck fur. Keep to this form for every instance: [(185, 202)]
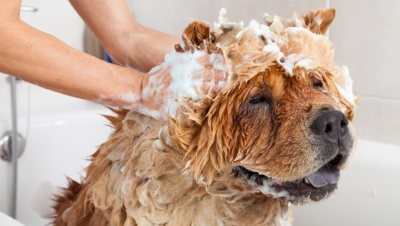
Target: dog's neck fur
[(145, 185)]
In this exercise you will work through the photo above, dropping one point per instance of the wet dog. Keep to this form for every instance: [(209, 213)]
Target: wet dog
[(279, 131)]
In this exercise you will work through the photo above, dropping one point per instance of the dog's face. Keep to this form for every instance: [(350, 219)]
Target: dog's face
[(289, 136), (282, 124)]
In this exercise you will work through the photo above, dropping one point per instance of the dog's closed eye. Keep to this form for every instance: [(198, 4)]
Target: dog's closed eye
[(317, 84), (260, 99)]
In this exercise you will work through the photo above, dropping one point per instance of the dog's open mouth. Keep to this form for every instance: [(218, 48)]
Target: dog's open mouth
[(315, 186)]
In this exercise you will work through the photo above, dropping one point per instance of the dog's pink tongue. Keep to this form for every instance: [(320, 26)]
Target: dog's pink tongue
[(323, 177)]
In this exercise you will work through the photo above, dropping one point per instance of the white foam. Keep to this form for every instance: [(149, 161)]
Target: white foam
[(262, 30), (182, 68), (157, 114), (224, 24), (297, 21), (271, 47), (268, 18), (186, 78), (158, 145), (289, 62), (306, 63), (267, 186), (267, 189), (347, 90), (222, 12), (155, 69), (296, 60), (130, 97), (218, 62)]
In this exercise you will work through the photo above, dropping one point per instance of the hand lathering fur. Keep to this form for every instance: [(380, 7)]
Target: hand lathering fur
[(237, 157)]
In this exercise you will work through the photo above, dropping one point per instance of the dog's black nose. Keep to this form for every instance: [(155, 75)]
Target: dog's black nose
[(331, 126)]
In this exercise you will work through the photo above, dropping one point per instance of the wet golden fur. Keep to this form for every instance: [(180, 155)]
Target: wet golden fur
[(180, 172)]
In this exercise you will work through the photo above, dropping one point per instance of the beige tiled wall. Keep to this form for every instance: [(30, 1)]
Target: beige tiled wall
[(172, 16), (364, 33)]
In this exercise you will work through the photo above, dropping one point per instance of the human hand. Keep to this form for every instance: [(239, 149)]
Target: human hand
[(190, 75)]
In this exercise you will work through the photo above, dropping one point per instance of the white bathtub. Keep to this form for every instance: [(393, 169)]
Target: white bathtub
[(368, 194), (59, 143)]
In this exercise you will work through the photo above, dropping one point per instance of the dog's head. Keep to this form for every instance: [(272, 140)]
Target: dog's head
[(282, 123)]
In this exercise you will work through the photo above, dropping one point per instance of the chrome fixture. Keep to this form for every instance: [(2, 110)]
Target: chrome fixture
[(6, 146), (28, 9)]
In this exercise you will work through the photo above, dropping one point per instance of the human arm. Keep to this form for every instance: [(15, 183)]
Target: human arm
[(127, 42), (42, 59)]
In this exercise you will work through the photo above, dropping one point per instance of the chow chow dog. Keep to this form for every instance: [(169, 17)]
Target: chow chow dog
[(276, 133)]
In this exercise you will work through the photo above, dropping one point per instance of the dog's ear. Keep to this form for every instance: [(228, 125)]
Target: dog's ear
[(319, 21), (195, 138), (197, 36)]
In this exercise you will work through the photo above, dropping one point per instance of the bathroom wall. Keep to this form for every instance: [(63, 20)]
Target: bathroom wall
[(172, 16), (366, 35)]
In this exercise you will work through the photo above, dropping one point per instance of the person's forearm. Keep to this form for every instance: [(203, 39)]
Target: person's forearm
[(127, 42), (42, 59)]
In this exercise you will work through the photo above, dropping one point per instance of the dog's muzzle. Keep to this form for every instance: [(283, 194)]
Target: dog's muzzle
[(315, 186), (331, 127)]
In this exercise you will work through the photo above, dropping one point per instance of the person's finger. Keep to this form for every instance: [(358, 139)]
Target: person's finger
[(220, 75), (205, 61)]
